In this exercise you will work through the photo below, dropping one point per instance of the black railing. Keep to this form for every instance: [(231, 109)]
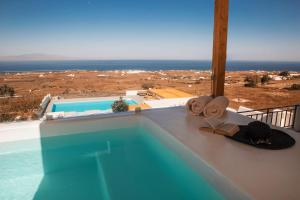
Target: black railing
[(279, 116)]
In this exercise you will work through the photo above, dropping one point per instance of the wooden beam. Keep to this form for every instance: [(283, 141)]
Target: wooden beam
[(219, 47)]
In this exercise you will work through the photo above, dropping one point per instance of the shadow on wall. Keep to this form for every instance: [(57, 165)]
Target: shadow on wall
[(71, 166)]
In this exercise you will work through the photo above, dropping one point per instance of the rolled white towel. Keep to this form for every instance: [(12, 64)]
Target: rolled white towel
[(216, 107), (195, 106)]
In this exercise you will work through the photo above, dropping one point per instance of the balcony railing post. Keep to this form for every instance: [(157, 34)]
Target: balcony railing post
[(297, 118), (267, 117)]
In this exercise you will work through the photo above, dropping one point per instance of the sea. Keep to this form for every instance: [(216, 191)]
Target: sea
[(147, 65)]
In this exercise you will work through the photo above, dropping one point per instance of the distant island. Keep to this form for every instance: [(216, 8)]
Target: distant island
[(35, 57)]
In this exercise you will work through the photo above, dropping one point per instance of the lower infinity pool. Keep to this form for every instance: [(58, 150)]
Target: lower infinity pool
[(86, 105), (138, 162)]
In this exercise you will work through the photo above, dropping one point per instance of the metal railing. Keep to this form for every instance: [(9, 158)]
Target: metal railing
[(279, 116)]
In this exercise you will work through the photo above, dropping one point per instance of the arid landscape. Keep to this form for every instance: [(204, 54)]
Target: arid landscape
[(30, 87)]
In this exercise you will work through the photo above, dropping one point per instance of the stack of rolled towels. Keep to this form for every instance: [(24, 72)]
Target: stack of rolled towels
[(212, 110), (207, 106)]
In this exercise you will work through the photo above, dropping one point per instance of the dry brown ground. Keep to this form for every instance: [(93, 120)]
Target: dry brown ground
[(31, 87)]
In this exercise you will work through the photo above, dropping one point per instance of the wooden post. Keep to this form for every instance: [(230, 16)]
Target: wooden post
[(219, 47)]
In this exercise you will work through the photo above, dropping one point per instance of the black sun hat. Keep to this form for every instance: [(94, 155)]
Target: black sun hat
[(260, 135)]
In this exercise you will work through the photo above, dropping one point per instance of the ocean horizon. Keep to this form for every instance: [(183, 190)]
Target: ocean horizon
[(147, 65)]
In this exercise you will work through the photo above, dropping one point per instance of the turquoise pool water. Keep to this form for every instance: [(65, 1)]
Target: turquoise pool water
[(85, 106), (121, 164)]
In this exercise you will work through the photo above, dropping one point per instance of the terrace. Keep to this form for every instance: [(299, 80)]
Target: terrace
[(235, 170), (277, 171)]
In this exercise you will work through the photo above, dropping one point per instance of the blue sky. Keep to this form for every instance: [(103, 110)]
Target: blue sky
[(148, 29)]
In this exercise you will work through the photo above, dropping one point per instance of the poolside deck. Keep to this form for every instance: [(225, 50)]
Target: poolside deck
[(263, 174)]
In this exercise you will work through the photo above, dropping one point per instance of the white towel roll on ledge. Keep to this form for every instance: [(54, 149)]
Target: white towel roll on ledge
[(216, 107), (195, 106)]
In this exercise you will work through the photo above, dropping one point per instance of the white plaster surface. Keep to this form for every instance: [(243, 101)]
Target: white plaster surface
[(19, 131), (164, 103)]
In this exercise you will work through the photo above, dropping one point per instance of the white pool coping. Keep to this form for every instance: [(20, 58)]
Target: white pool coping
[(263, 174), (14, 131)]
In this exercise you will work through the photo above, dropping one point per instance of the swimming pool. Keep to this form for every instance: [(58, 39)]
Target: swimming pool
[(86, 105), (127, 158)]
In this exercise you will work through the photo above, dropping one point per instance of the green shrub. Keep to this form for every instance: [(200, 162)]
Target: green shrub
[(7, 91), (265, 79), (146, 86), (34, 116), (295, 87), (284, 73), (250, 84), (4, 117), (251, 81), (119, 106)]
